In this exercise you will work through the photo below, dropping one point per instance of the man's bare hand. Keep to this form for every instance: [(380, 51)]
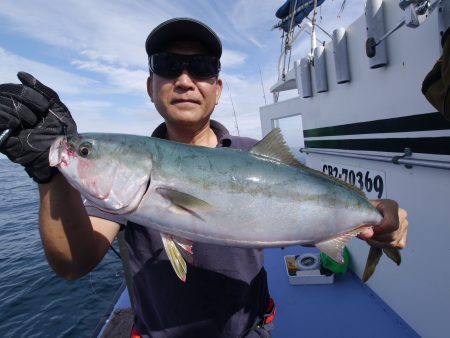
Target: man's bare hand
[(393, 229)]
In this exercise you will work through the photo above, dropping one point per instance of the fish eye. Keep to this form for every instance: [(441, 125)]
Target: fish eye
[(85, 149)]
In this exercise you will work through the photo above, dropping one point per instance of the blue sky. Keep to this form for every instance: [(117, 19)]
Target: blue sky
[(92, 53)]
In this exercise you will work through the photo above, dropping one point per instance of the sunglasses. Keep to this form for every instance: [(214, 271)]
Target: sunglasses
[(170, 65)]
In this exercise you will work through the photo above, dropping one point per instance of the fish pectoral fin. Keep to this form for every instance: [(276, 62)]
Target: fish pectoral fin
[(335, 246), (182, 202), (174, 251)]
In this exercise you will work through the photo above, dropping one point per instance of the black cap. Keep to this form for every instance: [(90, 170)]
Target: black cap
[(181, 29)]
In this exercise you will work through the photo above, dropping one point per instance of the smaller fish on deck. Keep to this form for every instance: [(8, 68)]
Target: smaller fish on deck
[(256, 199)]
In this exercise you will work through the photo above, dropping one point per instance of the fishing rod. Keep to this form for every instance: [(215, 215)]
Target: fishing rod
[(4, 136)]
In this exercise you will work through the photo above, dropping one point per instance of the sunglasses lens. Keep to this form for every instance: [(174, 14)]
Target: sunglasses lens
[(166, 65), (204, 66), (171, 65)]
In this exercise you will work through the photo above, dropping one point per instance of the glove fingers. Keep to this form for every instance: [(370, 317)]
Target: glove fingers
[(14, 114), (30, 81), (7, 119), (28, 96), (35, 162), (59, 115), (39, 142), (26, 146)]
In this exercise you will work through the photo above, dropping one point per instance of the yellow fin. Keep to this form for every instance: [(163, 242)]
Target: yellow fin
[(372, 261), (182, 202), (185, 248), (335, 246), (175, 256), (393, 254), (374, 257)]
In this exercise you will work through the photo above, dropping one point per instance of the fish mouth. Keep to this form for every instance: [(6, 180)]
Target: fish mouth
[(59, 153)]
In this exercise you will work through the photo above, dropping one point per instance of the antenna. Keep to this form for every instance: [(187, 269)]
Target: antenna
[(313, 32), (262, 85), (234, 112), (342, 9)]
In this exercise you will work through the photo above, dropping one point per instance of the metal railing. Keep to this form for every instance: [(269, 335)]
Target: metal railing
[(399, 160)]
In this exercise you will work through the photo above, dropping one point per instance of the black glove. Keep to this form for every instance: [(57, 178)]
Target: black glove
[(35, 116)]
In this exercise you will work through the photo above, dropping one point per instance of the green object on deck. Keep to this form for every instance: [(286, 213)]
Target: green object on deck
[(330, 264)]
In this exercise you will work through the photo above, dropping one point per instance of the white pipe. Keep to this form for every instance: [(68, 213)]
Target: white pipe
[(382, 158), (303, 26)]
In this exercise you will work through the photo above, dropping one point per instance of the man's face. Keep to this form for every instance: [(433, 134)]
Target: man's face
[(184, 100)]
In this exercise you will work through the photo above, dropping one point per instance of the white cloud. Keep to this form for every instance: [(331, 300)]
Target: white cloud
[(66, 82), (119, 79), (232, 58), (139, 122), (115, 29)]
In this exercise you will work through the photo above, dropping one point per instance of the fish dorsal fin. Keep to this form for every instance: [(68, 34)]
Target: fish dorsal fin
[(184, 203), (274, 146), (335, 246), (179, 251)]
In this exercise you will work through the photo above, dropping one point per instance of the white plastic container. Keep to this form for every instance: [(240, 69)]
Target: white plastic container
[(299, 276)]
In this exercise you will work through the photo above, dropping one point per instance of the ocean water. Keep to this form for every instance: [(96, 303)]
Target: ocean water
[(34, 301)]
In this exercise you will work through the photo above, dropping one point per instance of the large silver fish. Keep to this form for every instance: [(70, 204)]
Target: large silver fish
[(262, 198)]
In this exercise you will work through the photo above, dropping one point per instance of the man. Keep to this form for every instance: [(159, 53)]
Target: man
[(226, 293)]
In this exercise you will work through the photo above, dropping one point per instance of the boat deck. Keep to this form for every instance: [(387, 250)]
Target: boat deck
[(346, 308)]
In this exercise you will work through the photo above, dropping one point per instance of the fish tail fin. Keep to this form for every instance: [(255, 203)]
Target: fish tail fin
[(393, 254), (374, 257)]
